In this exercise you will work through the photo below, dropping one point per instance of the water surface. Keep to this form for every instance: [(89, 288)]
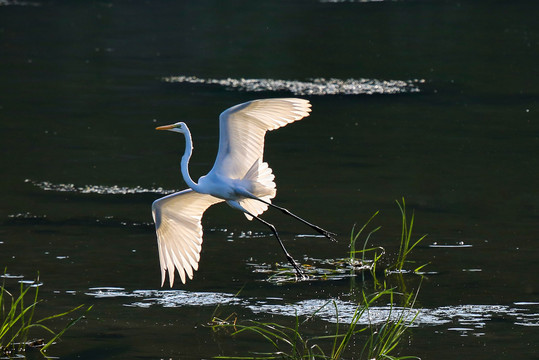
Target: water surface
[(435, 102)]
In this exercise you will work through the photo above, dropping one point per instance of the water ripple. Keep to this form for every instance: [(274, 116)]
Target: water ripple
[(318, 86)]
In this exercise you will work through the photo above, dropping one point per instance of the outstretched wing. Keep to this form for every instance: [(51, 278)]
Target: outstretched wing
[(178, 226), (242, 130)]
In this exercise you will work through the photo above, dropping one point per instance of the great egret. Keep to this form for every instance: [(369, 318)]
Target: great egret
[(239, 177)]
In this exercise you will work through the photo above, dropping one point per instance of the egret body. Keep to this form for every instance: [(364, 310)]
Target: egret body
[(239, 176)]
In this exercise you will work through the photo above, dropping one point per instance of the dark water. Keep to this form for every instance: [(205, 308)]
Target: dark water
[(433, 101)]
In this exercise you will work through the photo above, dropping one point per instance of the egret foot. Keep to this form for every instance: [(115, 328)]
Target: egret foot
[(299, 272), (331, 236)]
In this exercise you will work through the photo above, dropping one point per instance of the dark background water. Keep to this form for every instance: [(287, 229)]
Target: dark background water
[(82, 87)]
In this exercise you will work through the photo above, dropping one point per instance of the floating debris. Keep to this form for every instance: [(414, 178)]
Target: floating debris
[(318, 86), (316, 270)]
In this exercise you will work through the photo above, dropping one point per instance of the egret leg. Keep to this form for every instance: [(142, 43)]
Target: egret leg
[(288, 256), (290, 259), (318, 229)]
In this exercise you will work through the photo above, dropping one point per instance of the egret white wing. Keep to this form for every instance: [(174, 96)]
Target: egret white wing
[(242, 129), (178, 226)]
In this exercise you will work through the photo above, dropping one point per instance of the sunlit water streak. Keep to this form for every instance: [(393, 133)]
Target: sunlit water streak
[(355, 1), (29, 219), (458, 245), (18, 3), (467, 319), (318, 86), (20, 279), (11, 276), (166, 298), (97, 189)]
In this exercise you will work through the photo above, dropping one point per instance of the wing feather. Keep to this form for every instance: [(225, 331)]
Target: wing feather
[(178, 226), (242, 130)]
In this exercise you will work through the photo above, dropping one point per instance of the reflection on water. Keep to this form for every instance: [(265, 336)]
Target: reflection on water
[(466, 319), (318, 86)]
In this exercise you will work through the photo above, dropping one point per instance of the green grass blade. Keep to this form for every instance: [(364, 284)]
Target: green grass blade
[(17, 318), (354, 237), (70, 324), (60, 315)]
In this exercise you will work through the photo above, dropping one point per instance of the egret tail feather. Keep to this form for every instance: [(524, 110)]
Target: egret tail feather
[(259, 180)]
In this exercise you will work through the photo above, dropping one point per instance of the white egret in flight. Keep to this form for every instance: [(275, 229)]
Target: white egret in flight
[(239, 176)]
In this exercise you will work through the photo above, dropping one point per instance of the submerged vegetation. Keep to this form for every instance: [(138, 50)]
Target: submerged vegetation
[(378, 341), (17, 319)]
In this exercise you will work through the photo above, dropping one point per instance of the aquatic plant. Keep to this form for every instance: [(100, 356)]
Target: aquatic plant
[(383, 341), (17, 319), (380, 341), (290, 342), (406, 245), (361, 260), (355, 235), (364, 263)]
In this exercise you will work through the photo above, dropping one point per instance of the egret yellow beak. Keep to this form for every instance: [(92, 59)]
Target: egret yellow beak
[(165, 127)]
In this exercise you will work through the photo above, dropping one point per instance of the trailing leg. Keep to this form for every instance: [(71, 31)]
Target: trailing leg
[(316, 228)]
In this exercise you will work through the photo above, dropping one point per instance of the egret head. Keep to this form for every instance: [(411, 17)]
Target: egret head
[(177, 127)]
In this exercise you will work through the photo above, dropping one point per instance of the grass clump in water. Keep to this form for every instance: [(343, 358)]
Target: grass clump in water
[(377, 340), (405, 247), (406, 244), (290, 342), (358, 260), (17, 319)]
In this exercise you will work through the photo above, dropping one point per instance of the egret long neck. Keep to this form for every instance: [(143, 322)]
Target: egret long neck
[(185, 161)]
